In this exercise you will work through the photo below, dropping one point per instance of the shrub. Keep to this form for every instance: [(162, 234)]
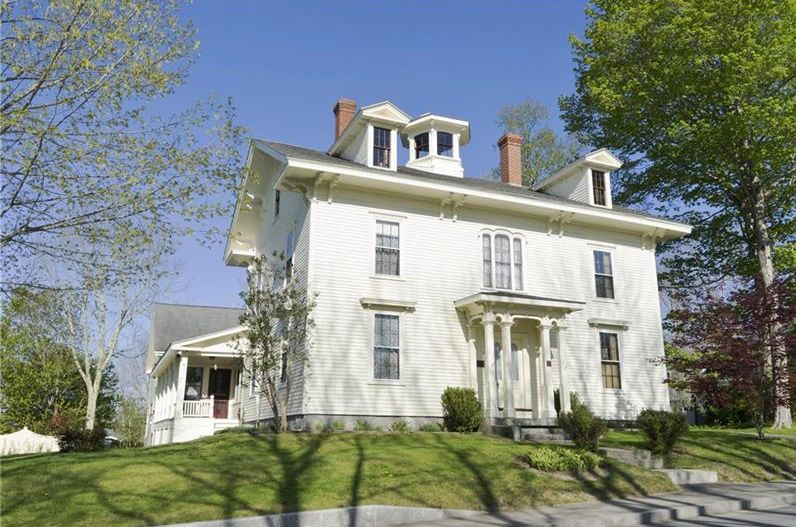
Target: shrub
[(557, 459), (400, 426), (430, 427), (461, 410), (582, 425), (661, 430), (362, 426), (76, 439), (337, 426)]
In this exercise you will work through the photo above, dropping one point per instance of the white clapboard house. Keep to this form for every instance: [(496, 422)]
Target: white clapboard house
[(426, 278)]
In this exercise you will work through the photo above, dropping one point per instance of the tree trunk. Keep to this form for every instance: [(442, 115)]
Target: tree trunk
[(91, 407), (779, 365)]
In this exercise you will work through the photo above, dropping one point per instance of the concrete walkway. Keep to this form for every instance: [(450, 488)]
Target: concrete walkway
[(692, 502), (784, 517)]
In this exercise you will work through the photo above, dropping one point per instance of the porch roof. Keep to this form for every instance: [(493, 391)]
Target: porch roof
[(482, 300), (217, 343)]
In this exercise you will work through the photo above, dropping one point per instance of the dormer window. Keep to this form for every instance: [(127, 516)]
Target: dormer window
[(381, 147), (598, 186), (445, 144), (421, 145)]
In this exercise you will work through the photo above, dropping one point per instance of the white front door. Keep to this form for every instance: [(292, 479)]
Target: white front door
[(520, 369)]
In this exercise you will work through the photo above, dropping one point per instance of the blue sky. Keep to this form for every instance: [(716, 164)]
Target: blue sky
[(285, 64)]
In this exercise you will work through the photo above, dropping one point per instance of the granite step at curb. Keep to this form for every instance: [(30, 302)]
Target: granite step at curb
[(692, 502), (687, 476)]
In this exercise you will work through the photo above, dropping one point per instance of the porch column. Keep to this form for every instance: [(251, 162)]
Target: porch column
[(562, 372), (548, 408), (490, 386), (508, 380), (182, 374), (472, 358)]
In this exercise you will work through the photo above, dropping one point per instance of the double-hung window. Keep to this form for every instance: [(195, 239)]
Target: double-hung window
[(388, 248), (381, 147), (603, 274), (609, 356), (598, 187), (193, 383), (445, 144), (277, 197), (386, 347), (502, 261), (421, 145)]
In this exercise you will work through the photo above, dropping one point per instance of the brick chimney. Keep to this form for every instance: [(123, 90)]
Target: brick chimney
[(344, 111), (510, 159)]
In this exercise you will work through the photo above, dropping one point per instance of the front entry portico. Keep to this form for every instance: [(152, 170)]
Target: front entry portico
[(518, 341)]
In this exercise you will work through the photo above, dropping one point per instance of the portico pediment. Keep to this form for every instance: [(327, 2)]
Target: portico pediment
[(516, 303)]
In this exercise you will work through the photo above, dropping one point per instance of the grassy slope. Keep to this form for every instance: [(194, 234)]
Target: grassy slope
[(237, 474), (734, 456)]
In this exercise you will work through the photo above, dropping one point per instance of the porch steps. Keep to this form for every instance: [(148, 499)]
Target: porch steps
[(544, 435)]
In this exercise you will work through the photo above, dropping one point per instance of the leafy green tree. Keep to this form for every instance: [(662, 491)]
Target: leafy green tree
[(543, 151), (130, 423), (39, 380), (700, 97), (85, 157), (278, 320)]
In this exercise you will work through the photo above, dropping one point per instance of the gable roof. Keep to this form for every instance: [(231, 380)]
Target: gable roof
[(309, 154), (175, 322)]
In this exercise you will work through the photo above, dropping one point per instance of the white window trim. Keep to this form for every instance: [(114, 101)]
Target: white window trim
[(593, 272), (375, 217), (393, 147), (609, 202), (620, 347), (523, 242), (372, 347)]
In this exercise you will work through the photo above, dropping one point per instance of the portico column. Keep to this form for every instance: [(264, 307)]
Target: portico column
[(562, 372), (472, 359), (490, 386), (508, 380), (182, 374), (549, 409)]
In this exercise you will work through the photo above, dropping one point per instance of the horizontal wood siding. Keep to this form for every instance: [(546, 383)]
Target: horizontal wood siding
[(574, 187), (441, 263)]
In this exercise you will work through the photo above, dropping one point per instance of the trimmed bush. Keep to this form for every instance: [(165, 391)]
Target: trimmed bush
[(76, 439), (557, 459), (582, 426), (661, 430), (461, 410)]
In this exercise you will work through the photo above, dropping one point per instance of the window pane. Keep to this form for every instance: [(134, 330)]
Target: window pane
[(386, 345), (387, 248), (517, 263), (445, 144), (421, 145), (602, 262), (502, 262), (381, 137), (487, 254), (598, 184), (193, 383), (381, 147)]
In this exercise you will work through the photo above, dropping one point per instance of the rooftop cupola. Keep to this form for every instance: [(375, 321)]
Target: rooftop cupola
[(434, 141)]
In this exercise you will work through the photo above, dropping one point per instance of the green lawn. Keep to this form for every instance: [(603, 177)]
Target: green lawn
[(237, 474), (733, 455)]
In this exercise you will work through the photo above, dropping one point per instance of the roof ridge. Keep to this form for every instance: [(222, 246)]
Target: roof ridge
[(196, 305)]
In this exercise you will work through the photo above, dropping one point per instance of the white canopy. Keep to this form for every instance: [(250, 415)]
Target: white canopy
[(26, 442)]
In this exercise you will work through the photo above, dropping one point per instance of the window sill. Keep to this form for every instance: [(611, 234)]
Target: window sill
[(386, 382), (605, 300), (388, 277), (612, 390)]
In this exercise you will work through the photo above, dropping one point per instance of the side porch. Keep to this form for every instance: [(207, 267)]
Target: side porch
[(197, 390)]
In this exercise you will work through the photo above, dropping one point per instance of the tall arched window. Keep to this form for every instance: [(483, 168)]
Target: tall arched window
[(502, 261)]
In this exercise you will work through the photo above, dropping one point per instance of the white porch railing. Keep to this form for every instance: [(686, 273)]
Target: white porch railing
[(200, 408)]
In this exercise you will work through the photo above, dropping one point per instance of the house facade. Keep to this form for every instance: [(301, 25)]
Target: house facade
[(425, 279)]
